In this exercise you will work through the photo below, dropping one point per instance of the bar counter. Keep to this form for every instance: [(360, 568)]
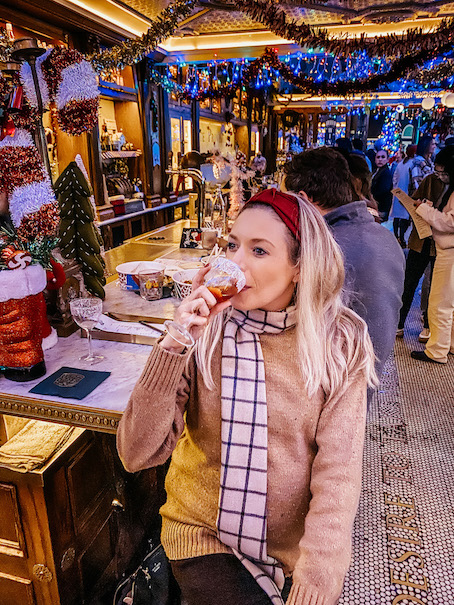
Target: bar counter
[(101, 410)]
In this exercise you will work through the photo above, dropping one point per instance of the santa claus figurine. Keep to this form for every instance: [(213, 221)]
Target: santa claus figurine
[(29, 222)]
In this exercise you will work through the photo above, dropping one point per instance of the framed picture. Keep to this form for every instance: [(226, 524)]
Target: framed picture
[(191, 238)]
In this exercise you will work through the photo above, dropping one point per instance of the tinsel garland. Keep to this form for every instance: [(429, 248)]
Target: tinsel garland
[(26, 77), (26, 200), (435, 75), (77, 117), (32, 205), (344, 88), (41, 224), (240, 173), (20, 167), (303, 83), (270, 14), (132, 51), (73, 86), (54, 64)]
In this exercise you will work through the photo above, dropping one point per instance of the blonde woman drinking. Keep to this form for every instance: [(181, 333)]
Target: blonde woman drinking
[(264, 419)]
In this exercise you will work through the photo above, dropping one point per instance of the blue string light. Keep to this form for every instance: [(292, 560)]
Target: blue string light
[(320, 67)]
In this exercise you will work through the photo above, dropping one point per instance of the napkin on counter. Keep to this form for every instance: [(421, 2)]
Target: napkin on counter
[(70, 383)]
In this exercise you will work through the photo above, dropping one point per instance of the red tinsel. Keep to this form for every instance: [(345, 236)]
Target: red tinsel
[(55, 63), (19, 166), (76, 117), (43, 223)]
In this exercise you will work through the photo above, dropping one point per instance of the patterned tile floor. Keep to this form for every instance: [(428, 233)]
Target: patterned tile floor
[(404, 530)]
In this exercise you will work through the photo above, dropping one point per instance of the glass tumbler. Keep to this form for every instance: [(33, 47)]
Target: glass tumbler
[(150, 284)]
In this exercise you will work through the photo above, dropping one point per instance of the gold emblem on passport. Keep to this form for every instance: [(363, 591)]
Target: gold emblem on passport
[(68, 379)]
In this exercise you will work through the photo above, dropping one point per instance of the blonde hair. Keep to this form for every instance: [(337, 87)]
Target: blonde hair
[(333, 342)]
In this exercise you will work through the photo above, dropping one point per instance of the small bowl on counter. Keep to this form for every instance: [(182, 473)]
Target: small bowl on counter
[(182, 282)]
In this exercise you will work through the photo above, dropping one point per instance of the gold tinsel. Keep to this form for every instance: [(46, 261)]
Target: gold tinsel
[(132, 51)]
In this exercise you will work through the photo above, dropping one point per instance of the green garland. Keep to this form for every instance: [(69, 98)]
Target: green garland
[(275, 19), (345, 88), (132, 51), (304, 83), (435, 75)]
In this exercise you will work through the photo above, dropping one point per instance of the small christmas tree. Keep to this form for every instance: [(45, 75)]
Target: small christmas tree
[(79, 238), (391, 132)]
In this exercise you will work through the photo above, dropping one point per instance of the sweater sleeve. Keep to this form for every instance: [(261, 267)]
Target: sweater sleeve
[(441, 221), (153, 420), (325, 548)]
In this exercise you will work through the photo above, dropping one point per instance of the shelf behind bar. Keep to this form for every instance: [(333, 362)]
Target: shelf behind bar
[(124, 217)]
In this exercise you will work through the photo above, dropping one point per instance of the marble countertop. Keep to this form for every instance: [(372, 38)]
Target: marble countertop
[(102, 408)]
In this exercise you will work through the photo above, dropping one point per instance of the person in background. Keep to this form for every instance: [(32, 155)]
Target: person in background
[(441, 298), (394, 160), (374, 261), (372, 152), (401, 179), (382, 183), (421, 253), (343, 144), (264, 420), (358, 148), (422, 164), (258, 164), (361, 178)]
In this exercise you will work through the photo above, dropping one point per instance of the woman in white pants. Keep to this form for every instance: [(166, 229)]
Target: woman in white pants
[(441, 298)]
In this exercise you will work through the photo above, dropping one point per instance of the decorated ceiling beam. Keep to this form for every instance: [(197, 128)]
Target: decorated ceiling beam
[(270, 14)]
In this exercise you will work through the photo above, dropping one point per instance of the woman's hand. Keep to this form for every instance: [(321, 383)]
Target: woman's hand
[(195, 311)]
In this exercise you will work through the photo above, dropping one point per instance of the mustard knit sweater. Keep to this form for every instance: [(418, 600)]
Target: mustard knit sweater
[(314, 463)]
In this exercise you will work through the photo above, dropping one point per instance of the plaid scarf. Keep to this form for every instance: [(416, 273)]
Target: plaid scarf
[(242, 497)]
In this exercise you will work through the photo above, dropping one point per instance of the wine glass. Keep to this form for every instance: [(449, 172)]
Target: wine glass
[(86, 313), (223, 280)]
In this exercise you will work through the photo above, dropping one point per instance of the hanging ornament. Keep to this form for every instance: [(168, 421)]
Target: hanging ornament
[(428, 103), (444, 97), (16, 98), (449, 101)]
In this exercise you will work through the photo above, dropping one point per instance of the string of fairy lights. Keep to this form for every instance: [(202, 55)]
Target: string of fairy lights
[(263, 77)]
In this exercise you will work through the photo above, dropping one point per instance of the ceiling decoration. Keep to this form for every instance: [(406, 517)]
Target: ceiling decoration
[(411, 41), (218, 17), (225, 22), (331, 12)]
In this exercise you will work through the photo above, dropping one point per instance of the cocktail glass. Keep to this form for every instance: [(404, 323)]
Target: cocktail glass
[(223, 280), (86, 313)]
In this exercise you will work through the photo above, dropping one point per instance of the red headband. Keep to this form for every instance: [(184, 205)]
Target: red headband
[(285, 205)]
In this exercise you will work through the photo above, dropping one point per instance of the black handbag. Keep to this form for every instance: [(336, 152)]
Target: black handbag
[(152, 583)]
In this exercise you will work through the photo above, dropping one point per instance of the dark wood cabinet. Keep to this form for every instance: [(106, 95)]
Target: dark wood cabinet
[(69, 531)]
